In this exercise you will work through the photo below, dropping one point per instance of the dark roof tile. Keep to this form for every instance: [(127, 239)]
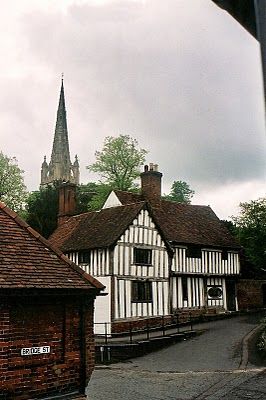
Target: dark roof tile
[(186, 223), (95, 229), (182, 224)]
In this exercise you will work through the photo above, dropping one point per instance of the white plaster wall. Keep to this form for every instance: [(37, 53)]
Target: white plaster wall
[(102, 312), (112, 201)]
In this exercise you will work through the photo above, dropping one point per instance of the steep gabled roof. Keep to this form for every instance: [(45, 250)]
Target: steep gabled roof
[(28, 261), (95, 229), (192, 224), (128, 197), (178, 223), (186, 223)]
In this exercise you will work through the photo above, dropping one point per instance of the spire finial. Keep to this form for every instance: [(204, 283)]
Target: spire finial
[(62, 76)]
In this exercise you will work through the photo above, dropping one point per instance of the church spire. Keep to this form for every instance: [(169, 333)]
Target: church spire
[(60, 167), (60, 153)]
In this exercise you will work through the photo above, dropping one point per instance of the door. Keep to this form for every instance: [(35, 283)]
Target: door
[(231, 295)]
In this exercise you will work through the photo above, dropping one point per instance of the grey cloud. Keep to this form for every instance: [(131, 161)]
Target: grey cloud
[(179, 76)]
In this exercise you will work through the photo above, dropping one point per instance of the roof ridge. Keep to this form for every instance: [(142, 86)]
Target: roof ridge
[(125, 191), (55, 250), (185, 204), (126, 205)]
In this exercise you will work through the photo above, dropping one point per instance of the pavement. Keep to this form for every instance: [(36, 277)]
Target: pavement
[(211, 366)]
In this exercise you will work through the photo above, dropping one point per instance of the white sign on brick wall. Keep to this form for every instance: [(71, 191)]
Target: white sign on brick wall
[(28, 351)]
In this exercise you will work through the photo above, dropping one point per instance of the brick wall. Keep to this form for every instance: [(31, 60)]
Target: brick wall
[(139, 323), (61, 324), (180, 315), (250, 294), (89, 340)]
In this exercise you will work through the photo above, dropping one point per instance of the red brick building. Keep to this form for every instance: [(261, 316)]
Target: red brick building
[(46, 317)]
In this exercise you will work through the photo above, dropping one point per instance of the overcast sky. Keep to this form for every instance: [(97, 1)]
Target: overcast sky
[(180, 76)]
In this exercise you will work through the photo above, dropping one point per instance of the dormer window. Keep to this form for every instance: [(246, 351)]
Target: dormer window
[(142, 256)]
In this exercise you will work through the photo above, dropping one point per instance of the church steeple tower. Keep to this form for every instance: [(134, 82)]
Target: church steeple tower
[(60, 167)]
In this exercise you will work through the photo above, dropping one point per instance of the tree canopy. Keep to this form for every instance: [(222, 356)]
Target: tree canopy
[(180, 192), (251, 230), (42, 210), (42, 206), (119, 162), (12, 188)]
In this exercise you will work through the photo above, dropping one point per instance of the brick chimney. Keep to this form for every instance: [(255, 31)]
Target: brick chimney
[(151, 183), (67, 201)]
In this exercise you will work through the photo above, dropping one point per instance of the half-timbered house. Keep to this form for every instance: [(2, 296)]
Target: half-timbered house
[(155, 257)]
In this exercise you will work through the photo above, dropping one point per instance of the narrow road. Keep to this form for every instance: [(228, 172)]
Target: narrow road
[(205, 367)]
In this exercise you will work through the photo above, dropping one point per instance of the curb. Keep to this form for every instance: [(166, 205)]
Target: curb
[(244, 356)]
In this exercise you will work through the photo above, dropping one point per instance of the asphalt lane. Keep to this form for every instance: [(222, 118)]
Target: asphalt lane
[(217, 349), (205, 367)]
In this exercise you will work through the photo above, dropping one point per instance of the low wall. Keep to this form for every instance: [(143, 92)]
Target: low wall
[(140, 323), (185, 315), (250, 294), (179, 316)]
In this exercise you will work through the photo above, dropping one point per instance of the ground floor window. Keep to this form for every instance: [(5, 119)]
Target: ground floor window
[(215, 292), (141, 291)]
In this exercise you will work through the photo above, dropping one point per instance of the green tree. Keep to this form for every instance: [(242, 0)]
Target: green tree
[(119, 162), (85, 194), (42, 210), (180, 192), (42, 206), (251, 230), (97, 201), (231, 227), (12, 188)]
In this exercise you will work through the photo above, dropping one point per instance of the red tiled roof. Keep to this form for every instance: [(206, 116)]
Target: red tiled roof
[(128, 197), (95, 229), (186, 223), (27, 260), (177, 223), (193, 224)]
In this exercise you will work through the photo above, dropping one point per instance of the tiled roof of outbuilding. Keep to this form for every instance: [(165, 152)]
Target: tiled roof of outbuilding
[(27, 260)]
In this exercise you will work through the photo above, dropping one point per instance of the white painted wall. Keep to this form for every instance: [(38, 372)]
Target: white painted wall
[(210, 262), (102, 311), (141, 233), (112, 201)]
